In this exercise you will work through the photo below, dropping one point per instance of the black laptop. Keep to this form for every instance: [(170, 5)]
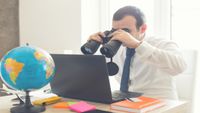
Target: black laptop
[(84, 77)]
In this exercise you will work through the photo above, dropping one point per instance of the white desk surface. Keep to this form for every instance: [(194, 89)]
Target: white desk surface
[(170, 107)]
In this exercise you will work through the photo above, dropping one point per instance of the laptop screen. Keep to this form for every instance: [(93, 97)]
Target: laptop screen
[(81, 77)]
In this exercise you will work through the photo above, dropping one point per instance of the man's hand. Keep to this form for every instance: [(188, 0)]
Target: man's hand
[(97, 37), (126, 38)]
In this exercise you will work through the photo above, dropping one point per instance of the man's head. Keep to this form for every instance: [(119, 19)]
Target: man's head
[(132, 18)]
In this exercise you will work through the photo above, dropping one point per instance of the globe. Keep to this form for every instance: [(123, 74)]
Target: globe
[(27, 68)]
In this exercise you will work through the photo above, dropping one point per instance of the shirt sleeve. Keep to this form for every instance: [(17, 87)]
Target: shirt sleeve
[(165, 55)]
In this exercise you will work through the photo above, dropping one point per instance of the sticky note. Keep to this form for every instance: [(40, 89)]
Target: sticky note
[(71, 103), (82, 107), (61, 105), (47, 101)]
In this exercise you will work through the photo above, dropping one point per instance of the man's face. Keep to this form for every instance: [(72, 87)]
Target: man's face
[(128, 22)]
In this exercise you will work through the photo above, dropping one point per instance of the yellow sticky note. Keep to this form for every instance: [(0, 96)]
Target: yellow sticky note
[(47, 101)]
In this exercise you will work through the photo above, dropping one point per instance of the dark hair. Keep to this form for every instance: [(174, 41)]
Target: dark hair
[(130, 11)]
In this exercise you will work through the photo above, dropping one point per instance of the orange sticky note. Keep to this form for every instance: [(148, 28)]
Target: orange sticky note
[(61, 105)]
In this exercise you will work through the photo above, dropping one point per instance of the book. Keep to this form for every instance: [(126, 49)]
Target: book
[(97, 111), (140, 104)]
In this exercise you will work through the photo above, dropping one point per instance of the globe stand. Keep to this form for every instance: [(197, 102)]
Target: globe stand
[(27, 107)]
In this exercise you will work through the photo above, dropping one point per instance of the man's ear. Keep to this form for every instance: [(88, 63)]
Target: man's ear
[(143, 28)]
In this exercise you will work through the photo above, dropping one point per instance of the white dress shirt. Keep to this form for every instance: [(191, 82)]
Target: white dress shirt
[(155, 63)]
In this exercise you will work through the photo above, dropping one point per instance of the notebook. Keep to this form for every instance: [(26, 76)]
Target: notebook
[(84, 77)]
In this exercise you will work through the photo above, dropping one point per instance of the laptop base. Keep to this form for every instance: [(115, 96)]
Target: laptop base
[(119, 95)]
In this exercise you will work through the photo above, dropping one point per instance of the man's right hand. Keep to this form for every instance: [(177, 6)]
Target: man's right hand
[(97, 37)]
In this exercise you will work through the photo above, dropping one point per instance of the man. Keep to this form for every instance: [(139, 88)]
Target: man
[(155, 61)]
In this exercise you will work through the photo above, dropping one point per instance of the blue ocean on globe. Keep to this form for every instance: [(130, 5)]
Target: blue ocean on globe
[(27, 68)]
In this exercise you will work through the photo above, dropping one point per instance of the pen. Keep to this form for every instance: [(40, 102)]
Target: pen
[(134, 99), (129, 99), (47, 91)]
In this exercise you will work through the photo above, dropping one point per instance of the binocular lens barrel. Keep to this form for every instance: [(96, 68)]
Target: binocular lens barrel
[(90, 47), (110, 48)]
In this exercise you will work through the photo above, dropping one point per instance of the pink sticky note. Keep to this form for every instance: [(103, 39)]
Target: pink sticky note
[(82, 107)]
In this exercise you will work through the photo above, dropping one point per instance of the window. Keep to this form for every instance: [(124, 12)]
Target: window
[(156, 11), (185, 30), (185, 23)]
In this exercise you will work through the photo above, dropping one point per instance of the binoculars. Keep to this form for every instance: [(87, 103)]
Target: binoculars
[(109, 48)]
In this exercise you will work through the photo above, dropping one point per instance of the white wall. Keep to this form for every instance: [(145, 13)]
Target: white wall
[(186, 81), (54, 25), (196, 98), (90, 14), (185, 31)]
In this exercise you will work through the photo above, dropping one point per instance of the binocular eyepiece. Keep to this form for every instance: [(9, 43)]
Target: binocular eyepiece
[(109, 48)]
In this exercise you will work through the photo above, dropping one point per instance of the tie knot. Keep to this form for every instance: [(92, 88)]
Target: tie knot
[(130, 52)]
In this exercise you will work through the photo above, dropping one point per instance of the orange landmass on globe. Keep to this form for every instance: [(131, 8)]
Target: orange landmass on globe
[(49, 66), (13, 68)]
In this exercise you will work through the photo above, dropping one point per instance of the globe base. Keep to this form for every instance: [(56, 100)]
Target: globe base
[(27, 107), (23, 109)]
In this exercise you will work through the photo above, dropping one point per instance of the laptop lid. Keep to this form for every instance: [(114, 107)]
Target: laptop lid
[(81, 77)]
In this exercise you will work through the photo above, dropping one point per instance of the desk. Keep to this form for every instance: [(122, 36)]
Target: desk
[(171, 106)]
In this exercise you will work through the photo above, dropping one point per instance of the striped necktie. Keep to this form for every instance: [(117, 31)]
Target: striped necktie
[(126, 69)]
